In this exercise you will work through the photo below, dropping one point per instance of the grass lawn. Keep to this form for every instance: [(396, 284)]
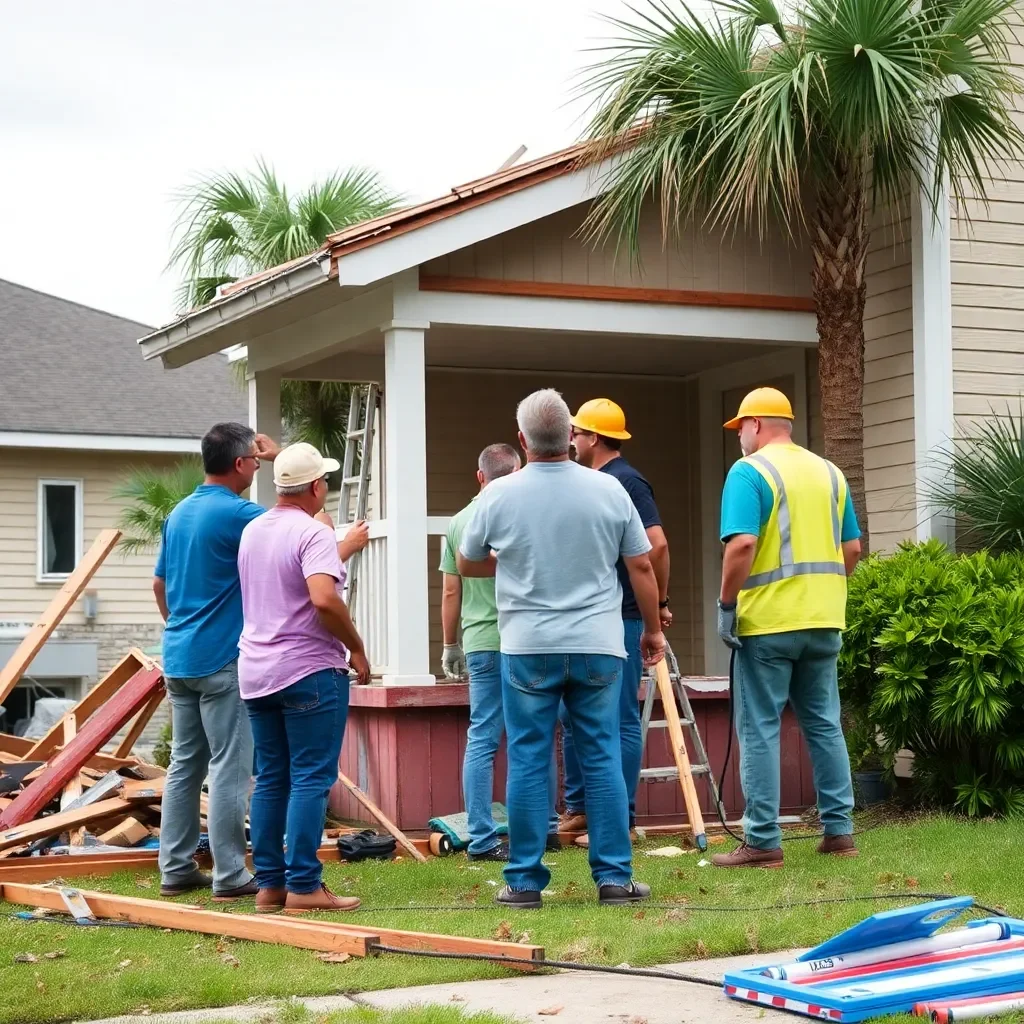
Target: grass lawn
[(106, 971)]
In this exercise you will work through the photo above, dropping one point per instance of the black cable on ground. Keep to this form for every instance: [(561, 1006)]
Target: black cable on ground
[(564, 965)]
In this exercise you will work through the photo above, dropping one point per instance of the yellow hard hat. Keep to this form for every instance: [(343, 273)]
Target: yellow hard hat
[(602, 416), (762, 403)]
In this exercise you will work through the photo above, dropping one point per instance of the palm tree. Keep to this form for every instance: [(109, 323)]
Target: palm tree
[(151, 494), (748, 120), (232, 225)]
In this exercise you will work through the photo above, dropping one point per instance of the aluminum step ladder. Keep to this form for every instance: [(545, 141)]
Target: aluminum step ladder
[(363, 409), (682, 718)]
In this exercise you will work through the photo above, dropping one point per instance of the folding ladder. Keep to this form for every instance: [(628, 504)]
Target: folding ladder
[(364, 404), (672, 690)]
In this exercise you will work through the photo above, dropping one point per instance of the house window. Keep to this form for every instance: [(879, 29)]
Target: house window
[(60, 528)]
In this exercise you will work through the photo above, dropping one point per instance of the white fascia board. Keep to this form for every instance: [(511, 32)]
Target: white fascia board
[(467, 227), (598, 316), (99, 442), (267, 293)]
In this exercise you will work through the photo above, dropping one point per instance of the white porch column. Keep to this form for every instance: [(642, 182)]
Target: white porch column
[(265, 418), (933, 356), (405, 502)]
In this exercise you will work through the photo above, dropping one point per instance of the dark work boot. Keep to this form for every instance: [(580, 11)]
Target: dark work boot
[(616, 895), (749, 857), (499, 853), (838, 846), (518, 899)]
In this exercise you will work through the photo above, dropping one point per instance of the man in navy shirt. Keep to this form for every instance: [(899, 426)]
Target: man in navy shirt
[(598, 430), (199, 596)]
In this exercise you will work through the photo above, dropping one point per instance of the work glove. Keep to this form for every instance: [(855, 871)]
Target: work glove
[(453, 662), (727, 626)]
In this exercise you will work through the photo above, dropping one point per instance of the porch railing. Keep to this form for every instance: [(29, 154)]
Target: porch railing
[(370, 607)]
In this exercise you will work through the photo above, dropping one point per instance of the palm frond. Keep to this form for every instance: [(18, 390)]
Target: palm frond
[(151, 495)]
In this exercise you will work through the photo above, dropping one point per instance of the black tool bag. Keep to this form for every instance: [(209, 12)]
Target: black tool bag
[(366, 845)]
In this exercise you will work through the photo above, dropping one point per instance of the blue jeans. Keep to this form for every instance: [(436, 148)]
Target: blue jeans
[(630, 737), (798, 667), (297, 734), (486, 726), (211, 735), (532, 687)]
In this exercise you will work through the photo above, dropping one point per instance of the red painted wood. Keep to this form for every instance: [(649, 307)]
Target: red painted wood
[(113, 715)]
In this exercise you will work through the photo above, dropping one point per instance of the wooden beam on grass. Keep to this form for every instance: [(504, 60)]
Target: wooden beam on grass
[(280, 930), (65, 821), (62, 601), (400, 836), (77, 865), (102, 692), (97, 731), (124, 748)]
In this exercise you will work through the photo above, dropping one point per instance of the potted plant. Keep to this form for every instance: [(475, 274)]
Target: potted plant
[(869, 781)]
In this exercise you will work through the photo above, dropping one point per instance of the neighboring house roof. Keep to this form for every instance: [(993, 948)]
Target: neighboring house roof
[(71, 369)]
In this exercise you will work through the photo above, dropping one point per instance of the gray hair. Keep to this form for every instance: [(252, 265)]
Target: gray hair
[(289, 490), (544, 420), (498, 460), (779, 422)]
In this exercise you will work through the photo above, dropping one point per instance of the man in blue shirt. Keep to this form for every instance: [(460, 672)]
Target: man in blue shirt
[(198, 592), (598, 430), (551, 535)]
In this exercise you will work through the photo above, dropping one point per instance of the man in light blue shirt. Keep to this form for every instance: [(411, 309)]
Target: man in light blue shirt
[(551, 535)]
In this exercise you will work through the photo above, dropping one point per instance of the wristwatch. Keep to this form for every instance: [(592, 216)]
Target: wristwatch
[(663, 604)]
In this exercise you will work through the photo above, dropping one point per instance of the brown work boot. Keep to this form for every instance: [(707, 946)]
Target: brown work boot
[(318, 899), (838, 846), (572, 821), (584, 840), (270, 901), (749, 857)]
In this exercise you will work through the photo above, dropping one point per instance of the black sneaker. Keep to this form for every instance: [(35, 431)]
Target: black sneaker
[(499, 852), (239, 892), (518, 899), (553, 844), (616, 895), (197, 880)]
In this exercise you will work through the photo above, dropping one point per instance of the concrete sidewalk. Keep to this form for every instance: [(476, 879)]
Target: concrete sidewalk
[(584, 998)]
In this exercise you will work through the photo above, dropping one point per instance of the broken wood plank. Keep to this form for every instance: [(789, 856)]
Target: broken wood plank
[(103, 691), (73, 790), (53, 824), (77, 865), (62, 601), (16, 748), (280, 930), (97, 731), (400, 836), (124, 748), (142, 790), (130, 832)]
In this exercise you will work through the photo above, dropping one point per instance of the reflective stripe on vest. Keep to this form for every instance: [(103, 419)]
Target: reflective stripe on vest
[(788, 567)]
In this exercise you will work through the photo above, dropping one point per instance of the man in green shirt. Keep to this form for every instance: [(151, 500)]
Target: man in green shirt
[(473, 601)]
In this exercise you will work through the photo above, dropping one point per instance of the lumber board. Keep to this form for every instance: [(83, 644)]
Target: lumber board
[(62, 601), (445, 943), (400, 836), (93, 701), (279, 930), (16, 748), (52, 824), (76, 865), (73, 790), (124, 748), (97, 731)]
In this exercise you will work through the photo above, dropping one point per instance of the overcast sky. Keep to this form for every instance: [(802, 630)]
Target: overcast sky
[(107, 107)]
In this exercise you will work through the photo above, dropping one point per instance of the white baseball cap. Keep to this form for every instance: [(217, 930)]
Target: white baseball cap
[(301, 463)]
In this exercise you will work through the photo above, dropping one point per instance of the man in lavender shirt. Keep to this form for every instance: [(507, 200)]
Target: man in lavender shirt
[(293, 674)]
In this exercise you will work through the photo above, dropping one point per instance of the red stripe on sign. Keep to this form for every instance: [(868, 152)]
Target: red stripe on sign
[(751, 994), (814, 1010), (778, 1001), (835, 1014), (730, 990)]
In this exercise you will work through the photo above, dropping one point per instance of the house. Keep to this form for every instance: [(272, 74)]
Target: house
[(78, 409), (460, 306)]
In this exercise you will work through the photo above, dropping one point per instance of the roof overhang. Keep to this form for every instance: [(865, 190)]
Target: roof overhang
[(98, 442), (377, 250)]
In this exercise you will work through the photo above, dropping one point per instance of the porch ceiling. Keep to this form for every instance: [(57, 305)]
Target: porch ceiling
[(499, 349)]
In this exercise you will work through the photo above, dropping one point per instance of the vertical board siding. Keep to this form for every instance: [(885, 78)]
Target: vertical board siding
[(554, 249), (889, 460), (987, 257), (468, 410), (124, 585)]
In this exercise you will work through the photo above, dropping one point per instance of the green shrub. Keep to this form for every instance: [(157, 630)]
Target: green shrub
[(162, 747), (933, 659)]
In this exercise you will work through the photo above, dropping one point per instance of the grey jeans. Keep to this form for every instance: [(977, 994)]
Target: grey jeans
[(211, 734)]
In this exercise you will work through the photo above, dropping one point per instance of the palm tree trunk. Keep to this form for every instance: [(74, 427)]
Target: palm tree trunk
[(839, 247)]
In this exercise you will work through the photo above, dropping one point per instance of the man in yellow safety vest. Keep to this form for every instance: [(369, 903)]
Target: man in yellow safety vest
[(791, 539)]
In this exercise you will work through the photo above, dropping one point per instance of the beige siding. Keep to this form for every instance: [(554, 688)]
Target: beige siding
[(987, 277), (468, 410), (553, 250), (889, 385), (124, 585)]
